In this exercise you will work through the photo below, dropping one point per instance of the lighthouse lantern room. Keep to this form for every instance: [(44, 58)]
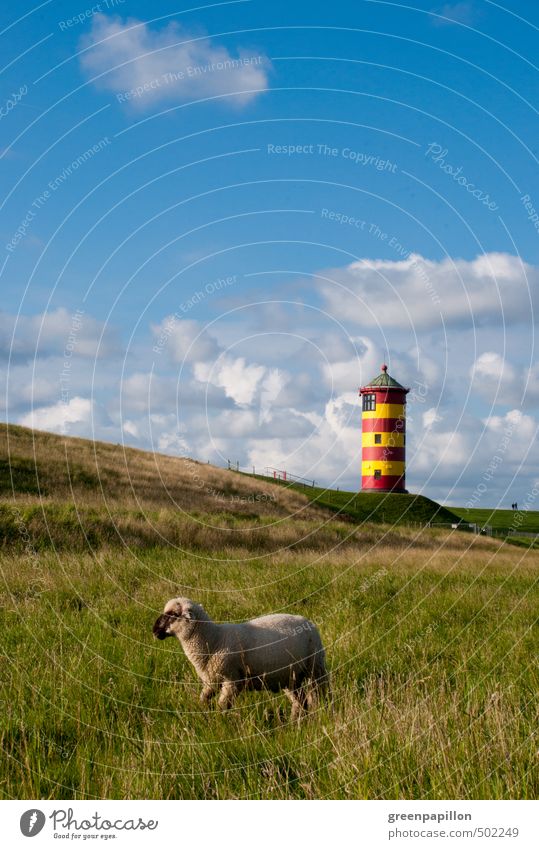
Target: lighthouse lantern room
[(383, 435)]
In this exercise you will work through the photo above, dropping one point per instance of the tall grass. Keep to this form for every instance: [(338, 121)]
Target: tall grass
[(433, 658), (431, 639)]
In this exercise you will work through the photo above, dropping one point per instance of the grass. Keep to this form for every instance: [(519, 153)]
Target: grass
[(431, 638), (390, 508), (501, 519)]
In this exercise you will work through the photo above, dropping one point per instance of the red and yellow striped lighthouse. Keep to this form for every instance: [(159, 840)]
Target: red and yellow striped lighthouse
[(383, 440)]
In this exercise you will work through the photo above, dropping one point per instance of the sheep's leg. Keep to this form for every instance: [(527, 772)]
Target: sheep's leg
[(227, 695), (207, 694), (298, 699), (319, 689), (320, 684)]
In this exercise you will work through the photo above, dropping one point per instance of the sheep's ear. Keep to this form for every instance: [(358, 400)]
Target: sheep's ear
[(187, 613)]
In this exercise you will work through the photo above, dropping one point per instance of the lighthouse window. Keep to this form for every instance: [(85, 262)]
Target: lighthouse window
[(377, 474), (377, 438), (369, 402)]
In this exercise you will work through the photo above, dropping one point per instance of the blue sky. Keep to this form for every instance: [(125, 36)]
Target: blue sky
[(217, 223)]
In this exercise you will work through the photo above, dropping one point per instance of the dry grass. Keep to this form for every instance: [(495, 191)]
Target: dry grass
[(44, 467), (73, 494)]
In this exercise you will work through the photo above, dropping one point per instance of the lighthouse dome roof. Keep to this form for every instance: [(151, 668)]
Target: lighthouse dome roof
[(384, 379)]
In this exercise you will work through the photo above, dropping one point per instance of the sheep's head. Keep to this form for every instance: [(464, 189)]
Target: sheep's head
[(178, 616)]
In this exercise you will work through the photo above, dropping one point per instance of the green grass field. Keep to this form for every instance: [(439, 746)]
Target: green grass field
[(431, 638), (503, 519)]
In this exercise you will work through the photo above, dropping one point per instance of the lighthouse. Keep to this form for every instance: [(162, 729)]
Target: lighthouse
[(383, 438)]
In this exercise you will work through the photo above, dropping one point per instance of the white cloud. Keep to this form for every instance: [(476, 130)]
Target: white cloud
[(499, 382), (239, 380), (520, 427), (131, 428), (340, 375), (430, 417), (494, 378), (59, 416), (492, 366), (167, 64), (330, 451), (142, 391), (185, 340), (420, 293), (233, 423), (160, 432), (173, 442), (441, 450), (25, 388), (272, 386), (26, 338)]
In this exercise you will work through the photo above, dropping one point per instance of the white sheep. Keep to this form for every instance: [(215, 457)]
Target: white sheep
[(274, 652)]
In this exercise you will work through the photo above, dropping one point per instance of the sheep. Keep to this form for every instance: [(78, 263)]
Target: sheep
[(275, 652)]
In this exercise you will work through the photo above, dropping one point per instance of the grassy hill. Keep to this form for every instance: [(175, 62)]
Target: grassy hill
[(75, 493), (392, 508), (431, 636)]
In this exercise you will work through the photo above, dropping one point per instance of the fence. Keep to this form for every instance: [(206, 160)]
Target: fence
[(269, 472), (283, 475), (485, 530)]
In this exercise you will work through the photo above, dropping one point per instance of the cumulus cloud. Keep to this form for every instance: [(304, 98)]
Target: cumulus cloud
[(272, 386), (59, 416), (430, 417), (26, 338), (239, 379), (160, 432), (170, 439), (147, 392), (131, 428), (330, 448), (25, 388), (419, 293), (339, 374), (168, 64), (297, 411), (494, 378), (499, 382), (522, 429), (188, 342), (142, 391), (185, 340)]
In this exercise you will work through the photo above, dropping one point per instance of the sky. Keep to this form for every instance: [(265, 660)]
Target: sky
[(219, 221)]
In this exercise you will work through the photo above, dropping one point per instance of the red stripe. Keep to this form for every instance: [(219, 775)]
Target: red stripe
[(384, 425), (386, 482), (385, 396), (383, 452)]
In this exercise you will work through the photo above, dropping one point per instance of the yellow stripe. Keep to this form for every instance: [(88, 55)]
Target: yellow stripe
[(385, 411), (368, 467), (394, 440)]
